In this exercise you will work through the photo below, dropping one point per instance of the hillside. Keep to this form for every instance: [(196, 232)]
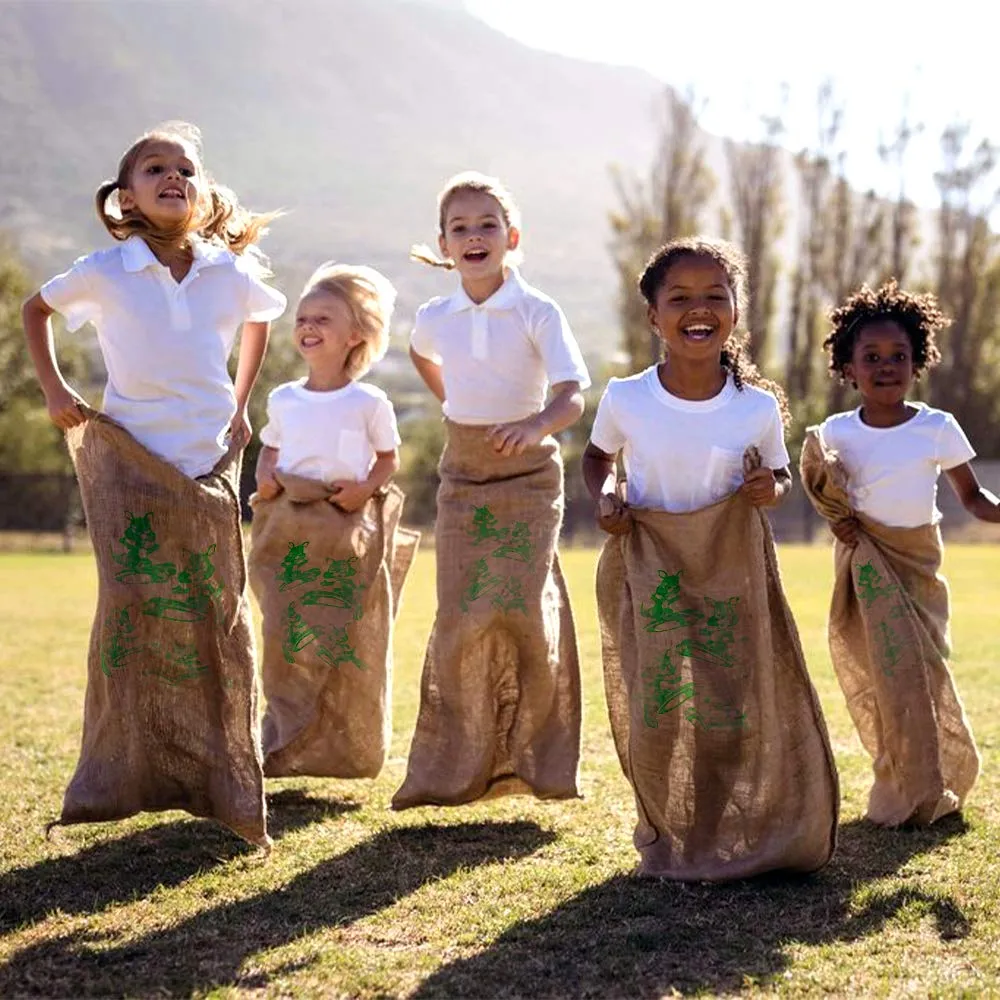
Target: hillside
[(348, 114)]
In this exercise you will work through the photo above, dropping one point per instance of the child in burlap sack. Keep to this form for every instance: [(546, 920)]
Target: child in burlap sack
[(326, 558), (170, 718), (715, 721), (872, 472), (500, 695)]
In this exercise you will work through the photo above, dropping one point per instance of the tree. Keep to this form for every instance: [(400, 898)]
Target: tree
[(669, 204), (968, 283), (756, 187)]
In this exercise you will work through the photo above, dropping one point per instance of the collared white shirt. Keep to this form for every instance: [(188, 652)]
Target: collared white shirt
[(166, 343), (499, 357), (893, 471), (329, 435), (684, 454)]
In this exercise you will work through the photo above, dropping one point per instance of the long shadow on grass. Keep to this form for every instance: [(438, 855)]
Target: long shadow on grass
[(117, 871), (644, 938), (208, 949)]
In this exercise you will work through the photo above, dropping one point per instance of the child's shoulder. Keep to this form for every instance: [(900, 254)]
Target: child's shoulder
[(286, 390), (369, 391), (107, 260), (436, 307)]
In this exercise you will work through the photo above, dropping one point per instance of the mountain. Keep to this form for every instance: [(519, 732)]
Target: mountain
[(348, 114)]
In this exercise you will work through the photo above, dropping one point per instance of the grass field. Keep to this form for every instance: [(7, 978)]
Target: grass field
[(511, 898)]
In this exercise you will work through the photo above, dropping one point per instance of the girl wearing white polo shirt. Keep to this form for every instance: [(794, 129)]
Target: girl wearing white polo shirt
[(170, 718), (167, 303), (500, 702)]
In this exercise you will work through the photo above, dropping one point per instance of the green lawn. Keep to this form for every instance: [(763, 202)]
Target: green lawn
[(512, 898)]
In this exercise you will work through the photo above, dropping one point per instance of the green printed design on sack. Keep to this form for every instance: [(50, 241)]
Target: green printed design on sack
[(663, 617), (200, 592), (663, 690), (515, 545), (291, 573), (139, 541), (182, 664), (118, 643), (663, 686), (871, 585), (338, 589), (717, 636)]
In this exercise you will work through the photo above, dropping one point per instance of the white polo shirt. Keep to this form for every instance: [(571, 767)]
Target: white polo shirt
[(682, 454), (166, 343), (893, 471), (499, 357), (329, 435)]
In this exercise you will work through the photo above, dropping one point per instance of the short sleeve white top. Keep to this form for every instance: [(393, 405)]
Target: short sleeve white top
[(166, 343), (893, 471), (329, 435), (680, 454), (498, 357)]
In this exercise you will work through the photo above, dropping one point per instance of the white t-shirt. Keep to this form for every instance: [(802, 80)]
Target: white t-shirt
[(499, 357), (166, 343), (681, 454), (329, 435), (893, 471)]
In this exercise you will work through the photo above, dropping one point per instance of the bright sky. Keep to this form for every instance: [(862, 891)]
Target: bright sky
[(937, 59)]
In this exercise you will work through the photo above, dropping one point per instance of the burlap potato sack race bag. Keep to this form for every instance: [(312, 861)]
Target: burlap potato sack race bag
[(715, 720), (328, 585), (170, 718), (889, 642), (500, 693)]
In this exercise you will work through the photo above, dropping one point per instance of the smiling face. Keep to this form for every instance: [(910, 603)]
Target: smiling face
[(476, 237), (324, 330), (164, 184), (694, 310), (882, 363)]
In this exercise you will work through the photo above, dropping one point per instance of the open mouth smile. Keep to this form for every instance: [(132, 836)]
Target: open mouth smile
[(698, 331), (310, 340), (476, 256)]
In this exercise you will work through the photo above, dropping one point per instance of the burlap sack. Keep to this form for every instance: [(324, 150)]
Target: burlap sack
[(715, 720), (328, 585), (500, 694), (170, 720), (889, 643)]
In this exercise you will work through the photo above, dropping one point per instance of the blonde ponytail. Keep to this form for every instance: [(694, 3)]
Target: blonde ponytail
[(423, 254)]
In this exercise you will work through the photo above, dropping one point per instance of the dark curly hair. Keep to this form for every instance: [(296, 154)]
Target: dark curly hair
[(735, 357), (918, 315)]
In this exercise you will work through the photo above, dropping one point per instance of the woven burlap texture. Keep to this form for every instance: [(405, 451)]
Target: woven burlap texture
[(170, 719), (889, 641), (715, 720), (500, 692), (328, 584)]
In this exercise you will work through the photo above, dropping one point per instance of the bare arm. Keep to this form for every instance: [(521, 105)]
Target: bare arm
[(976, 499), (430, 372), (267, 464), (253, 346), (352, 496), (565, 407), (62, 402), (601, 482)]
